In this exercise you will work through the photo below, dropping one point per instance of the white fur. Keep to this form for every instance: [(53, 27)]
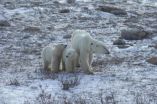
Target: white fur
[(85, 46), (51, 56), (69, 59)]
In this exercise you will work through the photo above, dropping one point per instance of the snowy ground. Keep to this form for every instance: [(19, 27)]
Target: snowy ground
[(123, 77)]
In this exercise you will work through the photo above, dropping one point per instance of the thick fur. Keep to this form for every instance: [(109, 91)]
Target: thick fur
[(51, 56), (85, 46), (69, 59)]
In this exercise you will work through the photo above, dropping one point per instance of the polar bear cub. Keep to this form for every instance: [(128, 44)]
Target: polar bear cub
[(69, 59), (51, 56), (85, 46)]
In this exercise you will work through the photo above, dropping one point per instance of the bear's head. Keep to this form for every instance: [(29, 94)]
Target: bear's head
[(98, 47), (60, 46), (71, 53)]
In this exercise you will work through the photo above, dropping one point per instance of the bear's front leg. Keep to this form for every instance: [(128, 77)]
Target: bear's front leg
[(45, 65), (69, 67), (55, 62), (85, 63), (63, 65)]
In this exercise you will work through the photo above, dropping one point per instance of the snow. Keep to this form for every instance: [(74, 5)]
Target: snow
[(121, 80)]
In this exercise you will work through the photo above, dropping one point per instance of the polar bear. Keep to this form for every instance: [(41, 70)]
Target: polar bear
[(69, 59), (51, 56), (85, 46)]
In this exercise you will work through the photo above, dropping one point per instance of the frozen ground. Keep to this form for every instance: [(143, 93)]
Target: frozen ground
[(123, 77)]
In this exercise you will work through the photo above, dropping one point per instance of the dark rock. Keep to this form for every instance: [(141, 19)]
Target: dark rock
[(134, 34), (31, 51), (123, 46), (56, 2), (98, 62), (119, 12), (32, 29), (64, 11), (152, 60), (26, 37), (119, 42), (50, 28), (52, 38), (154, 46), (36, 3), (9, 5), (111, 9), (4, 23), (71, 1), (132, 19), (66, 36)]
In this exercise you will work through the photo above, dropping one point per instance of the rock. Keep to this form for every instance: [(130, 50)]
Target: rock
[(152, 60), (154, 46), (52, 38), (64, 11), (66, 36), (71, 1), (36, 3), (119, 42), (132, 19), (111, 9), (134, 34), (4, 21), (123, 46), (9, 5), (32, 29)]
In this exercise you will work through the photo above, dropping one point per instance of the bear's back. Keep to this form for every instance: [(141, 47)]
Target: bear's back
[(47, 53)]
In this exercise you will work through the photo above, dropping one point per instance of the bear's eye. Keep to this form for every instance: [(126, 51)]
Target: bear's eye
[(91, 44), (66, 56)]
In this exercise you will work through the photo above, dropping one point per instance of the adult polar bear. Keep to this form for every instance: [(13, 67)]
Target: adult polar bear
[(85, 46)]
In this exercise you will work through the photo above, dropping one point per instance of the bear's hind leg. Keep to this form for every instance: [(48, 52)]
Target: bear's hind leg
[(69, 67)]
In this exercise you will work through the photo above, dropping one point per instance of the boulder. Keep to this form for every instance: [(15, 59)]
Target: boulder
[(119, 42), (112, 10), (134, 34), (4, 21), (64, 11), (70, 1), (66, 36), (152, 60), (32, 29)]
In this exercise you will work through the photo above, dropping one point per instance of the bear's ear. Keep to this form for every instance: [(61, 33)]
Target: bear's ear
[(91, 43)]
